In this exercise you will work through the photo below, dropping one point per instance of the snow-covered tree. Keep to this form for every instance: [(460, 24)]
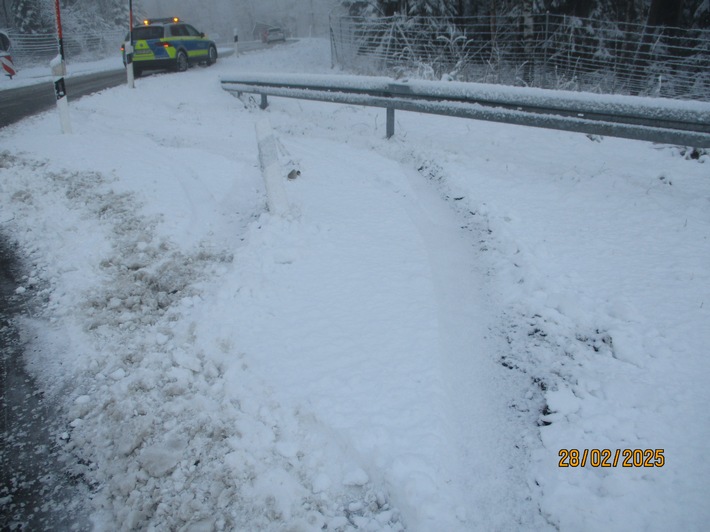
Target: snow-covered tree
[(698, 14), (27, 16), (431, 8), (683, 13), (96, 14), (387, 8)]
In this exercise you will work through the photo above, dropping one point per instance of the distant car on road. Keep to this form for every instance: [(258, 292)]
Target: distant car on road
[(169, 44), (272, 34)]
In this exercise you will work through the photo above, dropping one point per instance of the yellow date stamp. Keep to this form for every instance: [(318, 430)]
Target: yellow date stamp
[(611, 458)]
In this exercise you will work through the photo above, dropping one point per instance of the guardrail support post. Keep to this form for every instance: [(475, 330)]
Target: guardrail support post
[(390, 122), (264, 102), (395, 89)]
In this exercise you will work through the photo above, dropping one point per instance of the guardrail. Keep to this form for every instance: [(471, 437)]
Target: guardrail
[(649, 119)]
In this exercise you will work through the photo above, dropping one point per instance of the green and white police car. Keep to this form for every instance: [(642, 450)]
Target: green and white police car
[(169, 44)]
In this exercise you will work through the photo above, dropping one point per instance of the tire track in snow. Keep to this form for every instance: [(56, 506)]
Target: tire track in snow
[(489, 434), (345, 291)]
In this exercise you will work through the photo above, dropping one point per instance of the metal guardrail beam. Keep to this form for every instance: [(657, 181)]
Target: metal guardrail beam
[(654, 120)]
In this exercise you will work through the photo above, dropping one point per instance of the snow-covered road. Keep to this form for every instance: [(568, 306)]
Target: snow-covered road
[(409, 347)]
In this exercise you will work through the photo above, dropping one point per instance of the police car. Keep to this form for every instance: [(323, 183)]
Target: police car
[(169, 44)]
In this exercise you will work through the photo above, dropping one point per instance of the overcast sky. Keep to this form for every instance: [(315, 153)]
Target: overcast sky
[(299, 18)]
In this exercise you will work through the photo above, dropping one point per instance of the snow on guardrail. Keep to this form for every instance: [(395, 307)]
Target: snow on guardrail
[(633, 117)]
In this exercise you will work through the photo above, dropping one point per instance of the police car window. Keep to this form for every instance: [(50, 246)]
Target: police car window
[(179, 30), (147, 32), (192, 32)]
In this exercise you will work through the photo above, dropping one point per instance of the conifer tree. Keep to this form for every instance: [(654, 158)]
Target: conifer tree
[(431, 8), (27, 15)]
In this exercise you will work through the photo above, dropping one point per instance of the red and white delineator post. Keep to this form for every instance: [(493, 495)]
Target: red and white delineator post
[(8, 66), (59, 70)]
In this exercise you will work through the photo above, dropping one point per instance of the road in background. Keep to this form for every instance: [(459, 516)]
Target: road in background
[(16, 104), (24, 101)]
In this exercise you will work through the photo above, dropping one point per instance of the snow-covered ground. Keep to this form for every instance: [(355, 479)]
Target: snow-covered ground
[(410, 347)]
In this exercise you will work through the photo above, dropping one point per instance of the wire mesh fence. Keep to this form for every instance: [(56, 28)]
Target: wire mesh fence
[(546, 51), (38, 48)]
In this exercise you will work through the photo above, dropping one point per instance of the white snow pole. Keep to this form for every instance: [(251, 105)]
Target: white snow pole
[(128, 48), (59, 70)]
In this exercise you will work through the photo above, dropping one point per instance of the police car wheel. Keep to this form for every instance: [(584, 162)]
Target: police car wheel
[(212, 56), (181, 63)]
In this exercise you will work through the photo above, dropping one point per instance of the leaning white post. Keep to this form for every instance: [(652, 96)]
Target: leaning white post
[(270, 169)]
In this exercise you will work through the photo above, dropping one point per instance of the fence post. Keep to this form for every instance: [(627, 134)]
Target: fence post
[(528, 42), (264, 102), (333, 58), (545, 50)]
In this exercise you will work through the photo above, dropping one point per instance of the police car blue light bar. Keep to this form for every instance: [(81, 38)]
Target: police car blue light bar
[(149, 21)]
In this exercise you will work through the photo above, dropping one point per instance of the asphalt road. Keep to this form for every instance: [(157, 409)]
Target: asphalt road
[(39, 487), (19, 103)]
